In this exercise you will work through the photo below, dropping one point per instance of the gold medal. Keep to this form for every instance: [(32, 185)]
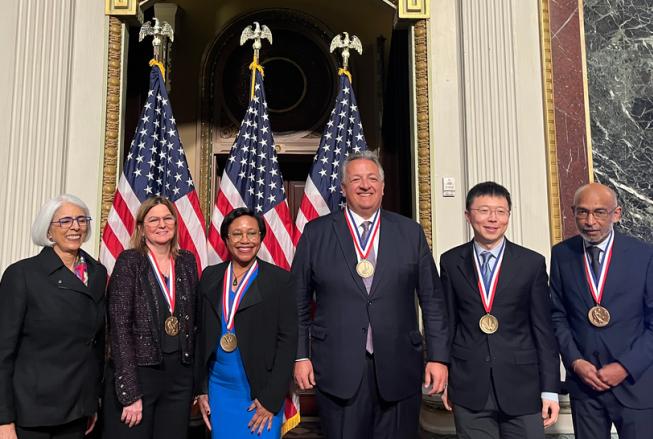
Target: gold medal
[(599, 316), (365, 268), (171, 326), (488, 324), (228, 342)]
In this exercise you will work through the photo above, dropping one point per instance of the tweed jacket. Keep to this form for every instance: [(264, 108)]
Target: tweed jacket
[(135, 301)]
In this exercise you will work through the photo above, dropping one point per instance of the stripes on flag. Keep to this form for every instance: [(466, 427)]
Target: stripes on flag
[(155, 165)]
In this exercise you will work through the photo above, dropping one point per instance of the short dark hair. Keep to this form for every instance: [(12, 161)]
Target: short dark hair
[(489, 188), (237, 213)]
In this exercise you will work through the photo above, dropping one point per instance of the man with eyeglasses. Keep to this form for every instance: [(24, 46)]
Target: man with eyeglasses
[(505, 370), (602, 288)]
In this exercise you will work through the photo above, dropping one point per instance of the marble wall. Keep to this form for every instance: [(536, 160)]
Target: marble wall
[(619, 46)]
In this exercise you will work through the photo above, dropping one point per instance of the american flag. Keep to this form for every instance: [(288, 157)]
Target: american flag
[(343, 135), (252, 178), (155, 165)]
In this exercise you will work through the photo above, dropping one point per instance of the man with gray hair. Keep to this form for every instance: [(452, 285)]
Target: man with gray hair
[(362, 349)]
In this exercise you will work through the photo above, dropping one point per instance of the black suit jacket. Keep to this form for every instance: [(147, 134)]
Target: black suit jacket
[(325, 266), (628, 296), (51, 341), (522, 356), (266, 330)]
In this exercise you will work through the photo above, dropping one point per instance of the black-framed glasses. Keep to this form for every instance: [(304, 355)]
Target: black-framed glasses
[(67, 221), (598, 214), (237, 236), (500, 212)]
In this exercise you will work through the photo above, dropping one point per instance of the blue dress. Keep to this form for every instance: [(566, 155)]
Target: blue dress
[(229, 397)]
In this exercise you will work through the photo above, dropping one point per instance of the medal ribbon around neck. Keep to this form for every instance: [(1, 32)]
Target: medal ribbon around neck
[(487, 297), (597, 285), (363, 248), (168, 288), (229, 312)]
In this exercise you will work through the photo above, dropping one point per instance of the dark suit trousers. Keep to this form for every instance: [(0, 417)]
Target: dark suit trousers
[(71, 430), (593, 418), (492, 423), (366, 415), (167, 398)]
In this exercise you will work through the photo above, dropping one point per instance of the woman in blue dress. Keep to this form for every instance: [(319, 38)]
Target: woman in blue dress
[(248, 336)]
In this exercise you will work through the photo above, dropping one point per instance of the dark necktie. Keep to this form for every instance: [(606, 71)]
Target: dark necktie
[(595, 252), (486, 272)]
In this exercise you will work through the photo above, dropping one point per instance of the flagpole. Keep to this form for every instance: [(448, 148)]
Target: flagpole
[(159, 30), (257, 33), (344, 42)]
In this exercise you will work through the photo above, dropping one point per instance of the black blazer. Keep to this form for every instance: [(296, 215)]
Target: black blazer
[(325, 266), (135, 326), (628, 296), (522, 356), (265, 326), (51, 341)]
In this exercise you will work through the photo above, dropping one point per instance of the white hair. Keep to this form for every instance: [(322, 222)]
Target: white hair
[(364, 155), (43, 220)]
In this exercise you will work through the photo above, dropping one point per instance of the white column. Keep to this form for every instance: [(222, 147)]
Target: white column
[(41, 88)]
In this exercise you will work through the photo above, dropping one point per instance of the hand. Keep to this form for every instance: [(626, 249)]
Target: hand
[(550, 411), (588, 373), (205, 408), (435, 377), (132, 414), (260, 418), (304, 376), (8, 431), (612, 374), (90, 424), (445, 399)]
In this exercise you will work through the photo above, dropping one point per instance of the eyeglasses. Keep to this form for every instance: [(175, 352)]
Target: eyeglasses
[(238, 236), (154, 221), (500, 212), (67, 221), (598, 214)]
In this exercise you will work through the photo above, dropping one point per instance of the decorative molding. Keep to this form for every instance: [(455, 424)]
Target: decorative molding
[(126, 10), (423, 129), (586, 93), (413, 9), (555, 216), (112, 126)]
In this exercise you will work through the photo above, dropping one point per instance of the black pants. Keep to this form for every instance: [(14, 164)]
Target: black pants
[(593, 418), (167, 397), (71, 430), (366, 415)]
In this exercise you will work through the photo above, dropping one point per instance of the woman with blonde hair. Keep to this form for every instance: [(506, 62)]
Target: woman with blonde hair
[(152, 308)]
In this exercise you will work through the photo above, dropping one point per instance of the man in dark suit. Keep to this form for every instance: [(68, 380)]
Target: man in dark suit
[(505, 370), (602, 285), (363, 265)]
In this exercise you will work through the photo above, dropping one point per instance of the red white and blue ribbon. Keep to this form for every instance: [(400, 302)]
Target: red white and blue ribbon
[(487, 294), (597, 285), (229, 310), (168, 288), (363, 248)]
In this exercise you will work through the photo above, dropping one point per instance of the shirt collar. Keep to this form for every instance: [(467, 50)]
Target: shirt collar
[(358, 220), (603, 245), (496, 250)]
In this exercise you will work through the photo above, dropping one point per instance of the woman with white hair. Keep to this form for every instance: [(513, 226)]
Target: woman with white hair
[(52, 309)]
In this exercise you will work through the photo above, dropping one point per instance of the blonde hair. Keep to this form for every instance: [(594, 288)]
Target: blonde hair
[(137, 240)]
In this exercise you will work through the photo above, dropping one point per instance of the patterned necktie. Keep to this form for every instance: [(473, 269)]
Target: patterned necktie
[(367, 228), (486, 272), (595, 252)]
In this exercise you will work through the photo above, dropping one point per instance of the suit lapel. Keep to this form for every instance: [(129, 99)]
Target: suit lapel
[(509, 267), (466, 265), (577, 266), (253, 295), (347, 247), (386, 233), (617, 262), (213, 289), (65, 279)]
